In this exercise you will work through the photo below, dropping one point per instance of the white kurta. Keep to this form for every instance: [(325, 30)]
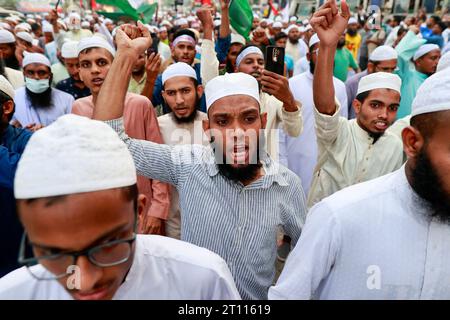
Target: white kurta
[(300, 153), (296, 51), (348, 155), (163, 268), (373, 240), (174, 133)]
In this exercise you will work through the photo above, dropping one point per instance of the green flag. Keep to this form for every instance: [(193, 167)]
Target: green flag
[(144, 13), (241, 17)]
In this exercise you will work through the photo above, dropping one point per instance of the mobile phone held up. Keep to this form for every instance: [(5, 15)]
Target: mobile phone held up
[(275, 59)]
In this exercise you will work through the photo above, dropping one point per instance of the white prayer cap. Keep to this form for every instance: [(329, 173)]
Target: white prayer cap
[(166, 23), (246, 52), (30, 16), (293, 19), (255, 16), (162, 29), (31, 21), (217, 23), (305, 22), (30, 58), (291, 27), (85, 24), (89, 18), (23, 26), (4, 25), (47, 28), (352, 20), (6, 37), (263, 21), (277, 24), (25, 36), (278, 19), (231, 84), (179, 69), (73, 155), (6, 87), (424, 49), (107, 20), (269, 21), (314, 39), (308, 27), (379, 80), (181, 22), (95, 42), (237, 38), (69, 50), (190, 19), (301, 29), (74, 15), (383, 53), (444, 62), (433, 95)]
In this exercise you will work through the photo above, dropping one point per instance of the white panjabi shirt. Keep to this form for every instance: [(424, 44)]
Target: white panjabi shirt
[(163, 268), (299, 154), (374, 240)]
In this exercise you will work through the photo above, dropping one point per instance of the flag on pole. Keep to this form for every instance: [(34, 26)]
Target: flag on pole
[(285, 10), (136, 9), (241, 17)]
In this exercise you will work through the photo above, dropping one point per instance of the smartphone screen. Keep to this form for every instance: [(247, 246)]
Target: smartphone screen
[(275, 59)]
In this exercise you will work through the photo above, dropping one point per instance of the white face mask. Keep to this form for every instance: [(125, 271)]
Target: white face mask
[(37, 86)]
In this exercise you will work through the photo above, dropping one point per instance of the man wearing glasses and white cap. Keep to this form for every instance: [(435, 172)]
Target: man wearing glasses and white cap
[(79, 207)]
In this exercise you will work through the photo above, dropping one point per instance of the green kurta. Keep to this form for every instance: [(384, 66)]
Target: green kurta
[(411, 78)]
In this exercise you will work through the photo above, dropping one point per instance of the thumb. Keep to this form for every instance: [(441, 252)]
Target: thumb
[(345, 10)]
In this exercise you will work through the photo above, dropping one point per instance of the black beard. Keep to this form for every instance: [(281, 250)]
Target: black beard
[(2, 69), (12, 63), (352, 32), (40, 100), (293, 41), (189, 119), (341, 43), (426, 183), (312, 66), (241, 174)]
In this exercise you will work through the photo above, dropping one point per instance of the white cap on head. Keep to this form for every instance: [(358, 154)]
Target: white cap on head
[(277, 24), (305, 22), (6, 37), (47, 28), (25, 36), (433, 95), (181, 21), (313, 40), (23, 25), (86, 154), (74, 15), (424, 49), (85, 24), (107, 20), (237, 38), (6, 87), (290, 28), (308, 27), (379, 80), (231, 84), (293, 19), (217, 22), (95, 42), (69, 50), (383, 53), (162, 29), (179, 69), (352, 20), (190, 19), (30, 58), (4, 25), (444, 62), (270, 21), (246, 52)]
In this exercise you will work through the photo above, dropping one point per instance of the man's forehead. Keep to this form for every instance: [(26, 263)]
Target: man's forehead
[(36, 67), (184, 44), (95, 53), (232, 105), (179, 82), (387, 96), (255, 56)]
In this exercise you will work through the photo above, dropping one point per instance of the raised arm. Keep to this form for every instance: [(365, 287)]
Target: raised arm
[(131, 42), (209, 67), (329, 24)]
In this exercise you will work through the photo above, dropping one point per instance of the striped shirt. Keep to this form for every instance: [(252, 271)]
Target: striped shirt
[(237, 222)]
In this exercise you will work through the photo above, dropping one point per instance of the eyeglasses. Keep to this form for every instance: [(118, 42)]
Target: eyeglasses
[(105, 255)]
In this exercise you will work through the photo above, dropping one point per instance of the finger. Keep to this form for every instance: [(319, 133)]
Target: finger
[(345, 10), (334, 7), (329, 15), (143, 29)]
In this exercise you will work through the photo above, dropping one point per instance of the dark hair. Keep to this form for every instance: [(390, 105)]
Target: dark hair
[(427, 123), (35, 27), (442, 25), (86, 51), (362, 96), (436, 19), (279, 36)]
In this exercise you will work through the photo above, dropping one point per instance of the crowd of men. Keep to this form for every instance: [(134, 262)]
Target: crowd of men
[(164, 161)]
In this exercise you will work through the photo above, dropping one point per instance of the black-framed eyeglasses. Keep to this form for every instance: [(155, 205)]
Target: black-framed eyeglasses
[(104, 255)]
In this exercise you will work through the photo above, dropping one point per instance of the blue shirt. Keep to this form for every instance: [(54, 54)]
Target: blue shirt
[(239, 223), (13, 142), (68, 86)]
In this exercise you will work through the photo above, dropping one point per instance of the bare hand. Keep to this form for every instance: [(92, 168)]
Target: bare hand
[(329, 23), (278, 86), (153, 65), (53, 16), (33, 127), (204, 14), (152, 225), (133, 39), (224, 4)]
